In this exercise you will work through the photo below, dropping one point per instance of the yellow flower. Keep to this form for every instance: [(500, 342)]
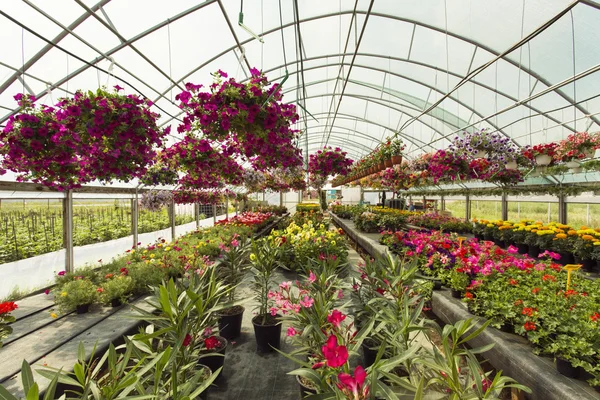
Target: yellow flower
[(596, 243), (167, 248), (333, 243), (53, 315), (152, 255), (253, 257), (63, 294)]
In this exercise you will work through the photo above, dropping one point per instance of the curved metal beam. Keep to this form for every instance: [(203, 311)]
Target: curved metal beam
[(414, 81), (406, 20), (444, 71)]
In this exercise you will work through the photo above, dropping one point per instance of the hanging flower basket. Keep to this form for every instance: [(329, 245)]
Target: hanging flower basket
[(543, 159), (118, 133), (389, 163), (572, 164), (396, 160), (248, 119)]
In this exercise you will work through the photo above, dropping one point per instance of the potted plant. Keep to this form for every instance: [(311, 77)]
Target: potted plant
[(267, 325), (582, 249), (578, 146), (116, 290), (233, 268), (77, 295), (543, 154), (396, 147), (5, 319), (212, 350), (458, 282)]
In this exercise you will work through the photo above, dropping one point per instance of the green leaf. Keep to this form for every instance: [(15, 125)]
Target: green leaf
[(79, 373), (385, 390), (26, 376), (6, 395), (62, 377), (51, 390), (420, 388), (476, 333), (81, 352), (34, 392)]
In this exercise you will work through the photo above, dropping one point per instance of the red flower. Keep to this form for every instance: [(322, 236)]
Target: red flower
[(529, 326), (211, 342), (318, 365), (549, 278), (513, 281), (336, 318), (380, 291), (354, 385), (335, 355), (595, 317), (124, 271), (7, 307), (469, 295), (535, 290), (528, 311), (518, 302), (188, 340)]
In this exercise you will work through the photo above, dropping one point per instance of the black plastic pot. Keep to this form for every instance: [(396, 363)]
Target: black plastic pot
[(533, 251), (522, 248), (370, 349), (489, 238), (457, 294), (304, 390), (586, 264), (268, 336), (214, 362), (565, 258), (478, 236), (507, 327), (230, 324), (437, 285), (116, 303), (82, 308), (565, 368)]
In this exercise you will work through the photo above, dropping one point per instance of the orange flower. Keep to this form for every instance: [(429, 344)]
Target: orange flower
[(561, 236), (587, 237), (572, 232)]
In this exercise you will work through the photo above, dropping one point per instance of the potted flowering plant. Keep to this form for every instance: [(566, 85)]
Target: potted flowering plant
[(159, 174), (248, 119), (485, 144), (6, 319), (264, 260), (233, 268), (155, 200), (36, 146), (77, 295), (116, 290), (543, 154), (578, 146), (118, 132)]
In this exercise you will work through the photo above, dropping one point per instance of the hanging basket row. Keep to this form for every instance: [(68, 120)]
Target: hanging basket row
[(356, 175)]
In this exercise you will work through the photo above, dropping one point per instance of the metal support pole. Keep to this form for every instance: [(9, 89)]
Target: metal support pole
[(197, 214), (227, 207), (504, 206), (68, 231), (362, 195), (424, 204), (467, 207), (172, 217), (281, 199), (134, 219), (562, 209), (443, 203), (214, 209)]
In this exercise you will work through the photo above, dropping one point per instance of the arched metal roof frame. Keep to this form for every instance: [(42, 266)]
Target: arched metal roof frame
[(382, 102), (129, 42), (350, 117), (409, 79), (443, 71)]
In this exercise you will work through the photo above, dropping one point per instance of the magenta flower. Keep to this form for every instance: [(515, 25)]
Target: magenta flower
[(312, 277), (336, 318), (335, 355), (353, 386), (291, 331)]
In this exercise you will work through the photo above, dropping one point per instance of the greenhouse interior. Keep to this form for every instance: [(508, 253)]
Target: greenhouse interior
[(300, 199)]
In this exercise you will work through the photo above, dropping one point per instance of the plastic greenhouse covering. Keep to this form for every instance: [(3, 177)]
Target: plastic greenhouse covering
[(359, 70)]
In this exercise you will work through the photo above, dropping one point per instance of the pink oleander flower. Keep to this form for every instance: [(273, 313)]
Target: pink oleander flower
[(307, 302), (312, 277), (335, 355), (336, 318), (291, 331)]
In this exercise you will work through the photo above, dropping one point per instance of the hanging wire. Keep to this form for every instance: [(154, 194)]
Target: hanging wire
[(282, 35), (262, 30), (23, 58), (447, 60), (574, 73), (170, 59), (67, 74)]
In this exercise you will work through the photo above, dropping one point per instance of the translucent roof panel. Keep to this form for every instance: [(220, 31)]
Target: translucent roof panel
[(365, 70)]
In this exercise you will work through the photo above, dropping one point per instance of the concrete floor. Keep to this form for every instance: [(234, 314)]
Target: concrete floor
[(248, 375)]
